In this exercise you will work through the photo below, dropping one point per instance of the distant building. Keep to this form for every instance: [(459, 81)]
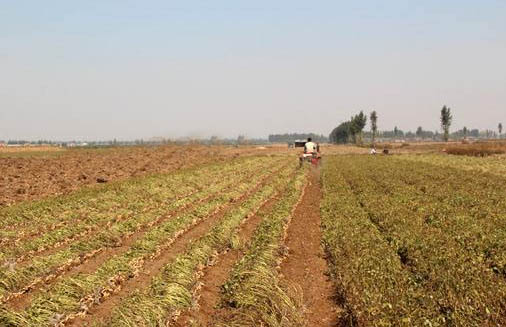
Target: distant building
[(299, 143)]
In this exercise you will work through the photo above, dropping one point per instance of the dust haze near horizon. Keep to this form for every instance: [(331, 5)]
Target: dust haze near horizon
[(129, 69)]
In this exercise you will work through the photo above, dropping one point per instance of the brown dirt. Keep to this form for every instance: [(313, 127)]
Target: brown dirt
[(305, 265), (101, 312), (29, 176), (218, 273)]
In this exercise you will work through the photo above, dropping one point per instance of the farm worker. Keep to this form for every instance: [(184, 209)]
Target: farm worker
[(310, 146), (373, 151)]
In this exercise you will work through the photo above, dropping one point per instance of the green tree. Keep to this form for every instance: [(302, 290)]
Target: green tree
[(374, 125), (341, 134), (499, 127), (358, 123), (419, 131), (446, 122), (396, 131), (464, 131)]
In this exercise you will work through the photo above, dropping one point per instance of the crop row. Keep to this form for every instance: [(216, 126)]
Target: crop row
[(469, 207), (146, 205), (68, 296), (254, 293), (429, 243), (174, 288), (20, 278), (97, 205)]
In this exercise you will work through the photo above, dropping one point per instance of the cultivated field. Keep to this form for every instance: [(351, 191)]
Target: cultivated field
[(218, 236)]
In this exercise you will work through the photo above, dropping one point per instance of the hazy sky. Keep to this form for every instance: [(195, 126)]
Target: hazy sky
[(129, 69)]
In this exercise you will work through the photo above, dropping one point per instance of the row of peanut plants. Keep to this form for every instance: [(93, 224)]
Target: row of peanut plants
[(469, 206), (420, 212), (254, 294), (372, 284), (464, 210), (19, 278), (176, 287), (72, 295), (97, 205), (152, 200)]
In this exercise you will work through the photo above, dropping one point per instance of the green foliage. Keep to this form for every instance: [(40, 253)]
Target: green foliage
[(349, 130), (415, 244), (446, 121), (374, 125)]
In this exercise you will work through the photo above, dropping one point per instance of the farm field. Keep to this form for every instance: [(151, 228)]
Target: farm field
[(417, 241), (34, 173), (247, 238)]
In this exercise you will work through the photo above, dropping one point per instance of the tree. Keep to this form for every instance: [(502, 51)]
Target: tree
[(499, 127), (464, 131), (419, 131), (358, 123), (341, 134), (446, 122), (396, 131), (241, 139), (374, 125)]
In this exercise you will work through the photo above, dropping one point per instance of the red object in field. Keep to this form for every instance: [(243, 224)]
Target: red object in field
[(314, 161)]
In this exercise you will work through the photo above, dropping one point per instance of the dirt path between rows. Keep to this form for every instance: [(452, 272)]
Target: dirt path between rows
[(305, 265), (218, 273)]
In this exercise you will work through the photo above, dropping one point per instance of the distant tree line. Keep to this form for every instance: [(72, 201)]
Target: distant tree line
[(352, 131), (291, 137)]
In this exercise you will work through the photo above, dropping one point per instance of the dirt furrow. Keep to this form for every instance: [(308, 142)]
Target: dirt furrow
[(156, 264), (87, 263), (215, 275), (305, 266)]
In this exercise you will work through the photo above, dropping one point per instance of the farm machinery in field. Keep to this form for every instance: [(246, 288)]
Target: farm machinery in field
[(311, 156)]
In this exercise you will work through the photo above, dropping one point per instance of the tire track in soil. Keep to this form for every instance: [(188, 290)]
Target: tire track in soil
[(305, 265), (218, 273), (102, 311), (19, 301)]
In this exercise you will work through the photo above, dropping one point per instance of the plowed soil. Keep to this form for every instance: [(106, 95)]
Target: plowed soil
[(36, 176), (305, 265)]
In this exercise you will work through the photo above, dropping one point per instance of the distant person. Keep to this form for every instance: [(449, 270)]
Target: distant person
[(373, 151)]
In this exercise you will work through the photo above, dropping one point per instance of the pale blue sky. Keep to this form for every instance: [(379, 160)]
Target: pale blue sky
[(130, 69)]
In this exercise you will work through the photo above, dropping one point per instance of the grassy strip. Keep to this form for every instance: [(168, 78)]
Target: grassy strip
[(254, 289), (73, 295), (23, 277), (145, 205), (173, 289)]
